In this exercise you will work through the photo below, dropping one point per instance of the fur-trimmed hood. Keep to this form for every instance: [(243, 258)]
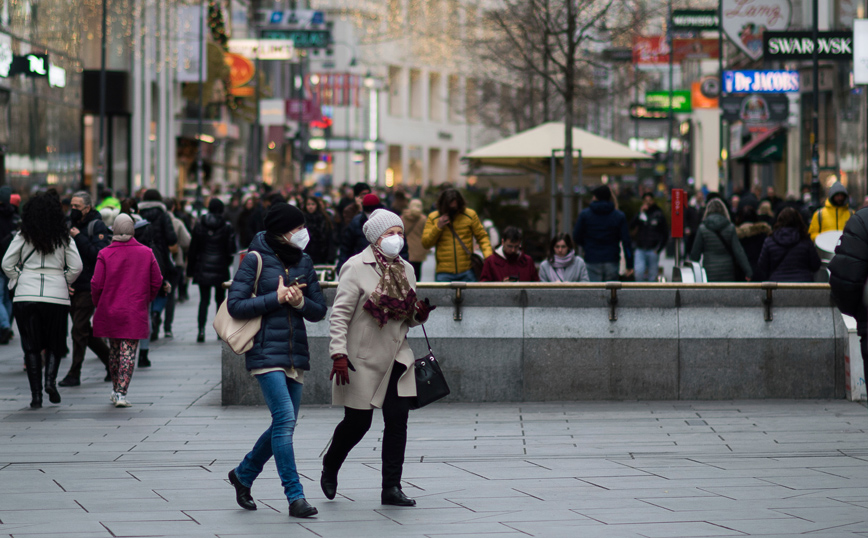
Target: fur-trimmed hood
[(751, 229)]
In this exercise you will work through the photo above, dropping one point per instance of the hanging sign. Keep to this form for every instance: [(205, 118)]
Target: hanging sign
[(760, 81), (32, 65), (241, 71), (755, 108), (264, 49), (677, 212), (660, 100), (860, 51), (836, 45), (650, 50), (695, 19), (744, 22)]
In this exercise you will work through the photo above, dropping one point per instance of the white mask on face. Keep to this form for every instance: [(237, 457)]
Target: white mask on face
[(392, 245), (299, 239)]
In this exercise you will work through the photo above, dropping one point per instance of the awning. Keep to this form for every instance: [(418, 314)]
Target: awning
[(765, 148), (531, 150)]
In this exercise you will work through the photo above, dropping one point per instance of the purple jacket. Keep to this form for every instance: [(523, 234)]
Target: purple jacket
[(125, 281)]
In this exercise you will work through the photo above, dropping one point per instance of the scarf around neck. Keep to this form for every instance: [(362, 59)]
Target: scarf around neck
[(564, 261), (393, 298)]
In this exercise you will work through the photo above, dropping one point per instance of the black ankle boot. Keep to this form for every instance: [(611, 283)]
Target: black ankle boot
[(201, 337), (52, 364), (395, 497), (144, 362), (242, 493), (33, 364), (302, 508), (155, 326), (329, 482)]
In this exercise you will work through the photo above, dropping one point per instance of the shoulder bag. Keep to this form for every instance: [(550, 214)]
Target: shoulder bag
[(430, 383), (476, 261), (239, 333)]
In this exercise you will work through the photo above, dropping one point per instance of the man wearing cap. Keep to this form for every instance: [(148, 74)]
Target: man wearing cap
[(601, 230), (90, 235), (354, 240)]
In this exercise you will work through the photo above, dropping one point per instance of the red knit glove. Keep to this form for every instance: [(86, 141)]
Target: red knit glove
[(341, 367), (423, 309)]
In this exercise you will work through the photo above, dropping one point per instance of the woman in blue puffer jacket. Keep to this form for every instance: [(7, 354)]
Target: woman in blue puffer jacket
[(288, 294)]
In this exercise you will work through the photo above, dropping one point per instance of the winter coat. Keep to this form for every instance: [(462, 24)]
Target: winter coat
[(371, 350), (451, 258), (162, 235), (211, 250), (125, 281), (752, 236), (354, 240), (89, 245), (651, 229), (575, 272), (184, 239), (718, 263), (414, 227), (282, 340), (601, 230), (9, 224), (44, 278), (498, 268), (833, 217), (320, 246), (787, 257), (849, 267)]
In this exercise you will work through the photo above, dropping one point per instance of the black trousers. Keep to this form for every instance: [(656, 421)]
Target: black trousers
[(356, 424), (205, 301), (43, 326), (81, 310), (417, 270), (171, 300)]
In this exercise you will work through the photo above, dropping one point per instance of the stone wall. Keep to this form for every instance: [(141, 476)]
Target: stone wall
[(559, 344)]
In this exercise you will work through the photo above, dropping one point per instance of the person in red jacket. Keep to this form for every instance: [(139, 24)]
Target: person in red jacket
[(509, 263)]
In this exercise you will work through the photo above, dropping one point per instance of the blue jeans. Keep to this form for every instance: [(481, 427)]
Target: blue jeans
[(466, 276), (5, 303), (283, 397), (604, 272), (646, 262)]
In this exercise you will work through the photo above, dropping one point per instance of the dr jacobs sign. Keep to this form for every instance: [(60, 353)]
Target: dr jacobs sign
[(760, 81)]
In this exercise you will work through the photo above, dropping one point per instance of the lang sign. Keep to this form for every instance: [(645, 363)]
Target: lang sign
[(744, 22), (760, 81)]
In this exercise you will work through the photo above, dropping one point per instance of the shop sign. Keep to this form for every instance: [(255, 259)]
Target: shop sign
[(755, 108), (641, 112), (745, 21), (306, 110), (265, 49), (695, 49), (5, 55), (836, 45), (272, 112), (302, 38), (860, 51), (660, 101), (56, 76), (698, 99), (301, 18), (650, 50), (32, 65), (241, 71), (760, 81), (695, 19)]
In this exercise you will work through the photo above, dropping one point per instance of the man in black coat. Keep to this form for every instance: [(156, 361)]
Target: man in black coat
[(211, 254), (849, 272), (165, 242), (90, 235), (652, 234), (353, 240)]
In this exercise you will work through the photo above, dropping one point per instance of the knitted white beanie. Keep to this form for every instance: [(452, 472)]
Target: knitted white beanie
[(380, 221)]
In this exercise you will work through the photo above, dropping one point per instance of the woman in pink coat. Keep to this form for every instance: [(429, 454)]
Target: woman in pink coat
[(125, 281)]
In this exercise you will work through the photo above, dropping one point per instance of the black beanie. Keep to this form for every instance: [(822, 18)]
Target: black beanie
[(282, 218), (215, 206), (603, 193), (152, 195)]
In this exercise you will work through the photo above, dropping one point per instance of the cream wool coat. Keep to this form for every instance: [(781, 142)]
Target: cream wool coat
[(371, 350)]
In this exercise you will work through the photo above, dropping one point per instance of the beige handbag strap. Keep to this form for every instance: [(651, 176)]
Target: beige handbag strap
[(258, 272)]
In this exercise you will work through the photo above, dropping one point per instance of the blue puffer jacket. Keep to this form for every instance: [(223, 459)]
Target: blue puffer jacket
[(279, 343), (600, 230)]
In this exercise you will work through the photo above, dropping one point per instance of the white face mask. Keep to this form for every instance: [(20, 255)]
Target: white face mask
[(299, 239), (392, 245)]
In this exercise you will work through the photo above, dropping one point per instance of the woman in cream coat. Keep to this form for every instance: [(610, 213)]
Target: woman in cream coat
[(374, 308)]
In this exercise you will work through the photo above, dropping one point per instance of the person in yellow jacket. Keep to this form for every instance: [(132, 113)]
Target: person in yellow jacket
[(447, 228), (834, 215)]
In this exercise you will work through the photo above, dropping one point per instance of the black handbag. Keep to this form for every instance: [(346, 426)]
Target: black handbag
[(430, 383)]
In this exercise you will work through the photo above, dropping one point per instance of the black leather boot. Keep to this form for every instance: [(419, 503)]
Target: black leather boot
[(155, 326), (33, 364), (52, 364), (395, 497), (302, 508), (329, 482), (242, 493), (144, 362)]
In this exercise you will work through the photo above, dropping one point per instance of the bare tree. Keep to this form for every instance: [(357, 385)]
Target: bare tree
[(557, 44)]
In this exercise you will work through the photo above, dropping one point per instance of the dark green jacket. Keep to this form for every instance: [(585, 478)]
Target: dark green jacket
[(716, 259)]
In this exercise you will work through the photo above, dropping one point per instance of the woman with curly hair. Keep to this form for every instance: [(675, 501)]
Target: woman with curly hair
[(41, 263)]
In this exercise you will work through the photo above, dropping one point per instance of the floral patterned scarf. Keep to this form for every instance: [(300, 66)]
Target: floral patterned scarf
[(393, 298)]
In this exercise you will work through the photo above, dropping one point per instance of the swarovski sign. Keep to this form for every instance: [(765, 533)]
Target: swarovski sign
[(836, 45)]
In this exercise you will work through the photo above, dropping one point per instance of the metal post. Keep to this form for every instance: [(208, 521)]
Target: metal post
[(200, 176), (579, 178), (669, 156), (100, 172), (256, 169), (720, 123), (815, 128), (553, 220)]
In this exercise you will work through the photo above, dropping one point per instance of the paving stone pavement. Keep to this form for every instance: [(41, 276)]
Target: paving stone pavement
[(610, 469)]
